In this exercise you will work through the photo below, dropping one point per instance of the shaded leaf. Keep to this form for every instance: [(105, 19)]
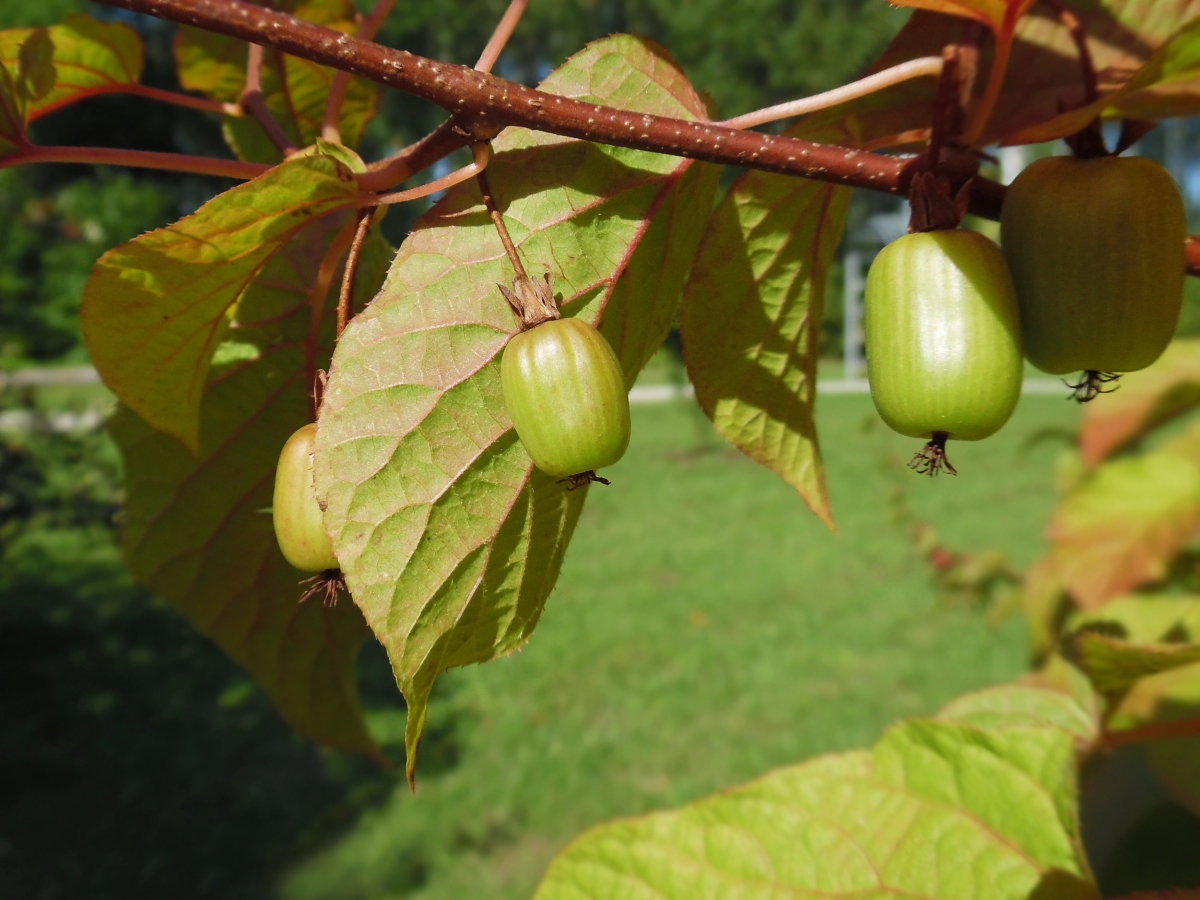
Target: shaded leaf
[(1017, 706), (155, 308), (12, 115), (295, 89), (1147, 399), (88, 58), (449, 539), (1122, 527), (751, 320), (994, 13), (1115, 665), (198, 530), (937, 810), (1043, 76)]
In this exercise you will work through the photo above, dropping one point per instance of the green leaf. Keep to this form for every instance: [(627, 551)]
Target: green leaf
[(86, 57), (12, 116), (1123, 526), (155, 308), (295, 90), (197, 529), (1017, 706), (1134, 638), (449, 539), (751, 320), (937, 810), (1147, 399)]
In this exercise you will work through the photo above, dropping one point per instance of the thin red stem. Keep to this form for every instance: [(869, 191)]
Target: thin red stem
[(1145, 734), (316, 306), (347, 293), (140, 90), (497, 219), (991, 93), (137, 159), (1091, 87), (253, 102), (499, 39), (331, 128)]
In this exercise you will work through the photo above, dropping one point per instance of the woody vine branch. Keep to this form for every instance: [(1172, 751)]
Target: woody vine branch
[(484, 104)]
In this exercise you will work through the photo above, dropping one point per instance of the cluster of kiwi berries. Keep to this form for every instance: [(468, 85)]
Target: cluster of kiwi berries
[(1090, 280)]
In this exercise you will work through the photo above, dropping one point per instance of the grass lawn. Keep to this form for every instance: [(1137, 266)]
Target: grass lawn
[(705, 629)]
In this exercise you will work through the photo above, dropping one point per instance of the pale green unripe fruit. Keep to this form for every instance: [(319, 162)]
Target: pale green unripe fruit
[(299, 521), (1096, 249), (943, 340), (566, 396)]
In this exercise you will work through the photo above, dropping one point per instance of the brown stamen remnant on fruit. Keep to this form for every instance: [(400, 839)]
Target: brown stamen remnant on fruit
[(532, 301), (1091, 385), (578, 481), (931, 459), (330, 583)]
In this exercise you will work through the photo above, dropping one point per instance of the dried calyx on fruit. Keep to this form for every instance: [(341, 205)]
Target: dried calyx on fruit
[(942, 338), (299, 520), (1096, 249), (563, 387)]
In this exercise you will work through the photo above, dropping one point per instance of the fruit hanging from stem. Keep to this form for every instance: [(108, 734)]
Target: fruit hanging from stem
[(943, 340), (566, 395), (298, 518), (1096, 250)]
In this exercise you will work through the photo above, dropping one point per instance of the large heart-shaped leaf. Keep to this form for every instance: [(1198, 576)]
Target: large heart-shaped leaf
[(155, 308), (198, 529), (449, 539), (1122, 527), (751, 320), (937, 810), (295, 89), (88, 58)]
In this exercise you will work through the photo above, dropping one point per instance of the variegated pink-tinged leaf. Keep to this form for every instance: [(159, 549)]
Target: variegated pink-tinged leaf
[(450, 540)]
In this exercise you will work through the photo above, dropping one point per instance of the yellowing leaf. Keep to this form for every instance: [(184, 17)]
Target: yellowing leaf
[(1124, 525), (198, 530), (1146, 400), (937, 810), (751, 320), (155, 308), (88, 58), (1134, 638), (295, 90), (449, 539)]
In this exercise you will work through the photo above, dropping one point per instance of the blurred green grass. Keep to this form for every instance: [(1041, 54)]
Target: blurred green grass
[(705, 629)]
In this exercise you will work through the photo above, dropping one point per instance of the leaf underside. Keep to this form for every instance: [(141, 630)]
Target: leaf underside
[(198, 530), (751, 319), (449, 538)]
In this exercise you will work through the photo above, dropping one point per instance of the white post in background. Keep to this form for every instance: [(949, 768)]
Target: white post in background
[(1012, 161), (852, 330)]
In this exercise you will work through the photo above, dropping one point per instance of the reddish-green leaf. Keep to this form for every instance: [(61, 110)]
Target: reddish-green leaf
[(295, 90), (1043, 77), (155, 309), (751, 320), (87, 58), (1123, 526), (449, 539), (24, 79), (1146, 400), (197, 529), (936, 810), (993, 13)]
